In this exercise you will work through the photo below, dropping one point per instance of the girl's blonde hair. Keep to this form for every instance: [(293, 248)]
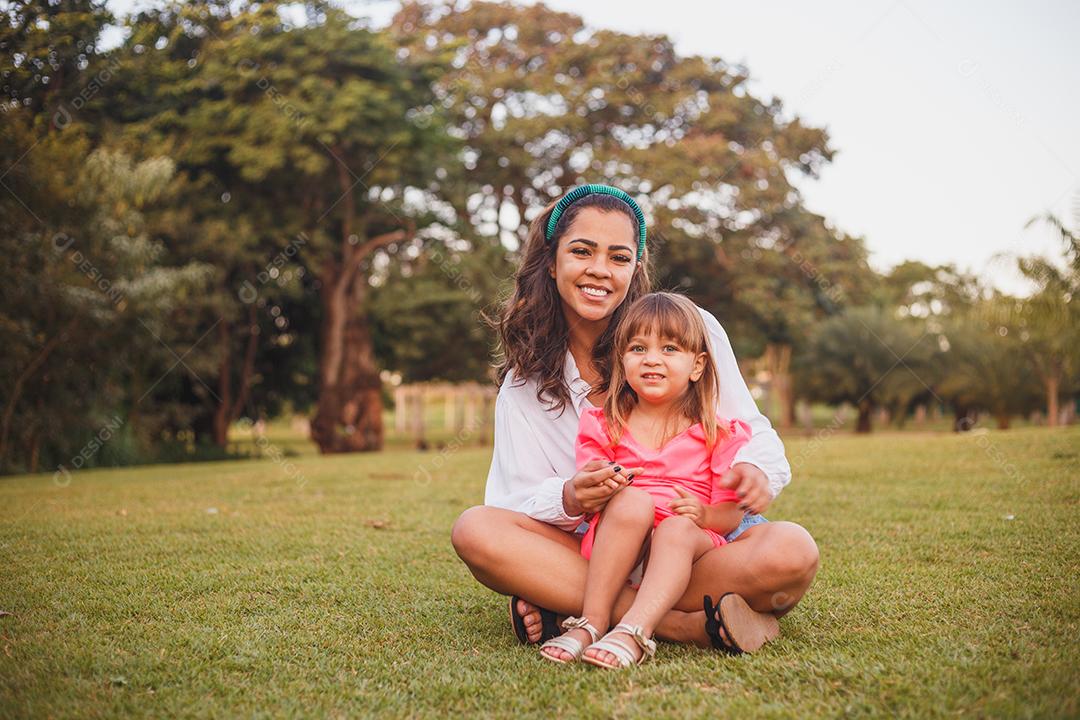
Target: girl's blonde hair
[(671, 317)]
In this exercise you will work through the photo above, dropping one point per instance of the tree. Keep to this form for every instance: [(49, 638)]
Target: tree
[(82, 261), (984, 365), (87, 278), (427, 310), (48, 56), (302, 128), (920, 290), (542, 102), (782, 288), (1049, 320), (866, 357)]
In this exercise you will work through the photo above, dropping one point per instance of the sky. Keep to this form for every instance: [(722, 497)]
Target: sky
[(954, 123)]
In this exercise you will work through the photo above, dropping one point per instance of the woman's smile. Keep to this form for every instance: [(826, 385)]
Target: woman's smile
[(594, 292)]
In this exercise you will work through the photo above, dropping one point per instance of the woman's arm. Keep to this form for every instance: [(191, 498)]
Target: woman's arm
[(765, 450), (521, 477)]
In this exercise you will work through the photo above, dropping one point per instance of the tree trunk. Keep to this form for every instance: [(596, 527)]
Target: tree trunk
[(1002, 420), (221, 412), (227, 410), (866, 410), (1053, 382), (962, 419), (349, 414), (778, 360), (16, 389)]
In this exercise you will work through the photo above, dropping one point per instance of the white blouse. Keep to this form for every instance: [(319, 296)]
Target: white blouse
[(533, 455)]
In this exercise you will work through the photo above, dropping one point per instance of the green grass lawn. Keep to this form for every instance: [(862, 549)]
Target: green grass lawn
[(329, 587)]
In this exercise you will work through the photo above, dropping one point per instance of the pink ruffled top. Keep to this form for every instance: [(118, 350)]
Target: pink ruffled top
[(684, 460)]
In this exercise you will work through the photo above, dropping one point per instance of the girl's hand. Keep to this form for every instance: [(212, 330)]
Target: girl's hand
[(688, 504), (751, 485), (594, 484)]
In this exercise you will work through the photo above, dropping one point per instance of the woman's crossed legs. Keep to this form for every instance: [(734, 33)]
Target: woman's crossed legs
[(770, 565)]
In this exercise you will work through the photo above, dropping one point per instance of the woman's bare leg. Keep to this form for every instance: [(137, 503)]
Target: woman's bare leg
[(770, 565), (676, 543), (625, 523), (513, 554)]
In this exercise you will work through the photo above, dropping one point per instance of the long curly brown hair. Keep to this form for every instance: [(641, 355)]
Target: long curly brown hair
[(532, 330)]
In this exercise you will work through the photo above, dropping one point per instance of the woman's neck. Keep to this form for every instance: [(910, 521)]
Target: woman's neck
[(583, 337)]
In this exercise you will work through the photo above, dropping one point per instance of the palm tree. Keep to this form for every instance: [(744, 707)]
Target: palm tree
[(1050, 319)]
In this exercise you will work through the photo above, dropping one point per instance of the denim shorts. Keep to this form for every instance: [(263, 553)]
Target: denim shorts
[(748, 521)]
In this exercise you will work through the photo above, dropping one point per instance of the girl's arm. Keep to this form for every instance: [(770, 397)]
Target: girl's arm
[(765, 450), (722, 517)]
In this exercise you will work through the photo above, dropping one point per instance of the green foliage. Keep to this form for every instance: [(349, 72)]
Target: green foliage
[(90, 279), (1050, 318), (869, 358), (921, 291), (427, 311), (206, 191), (48, 52), (985, 365), (542, 102)]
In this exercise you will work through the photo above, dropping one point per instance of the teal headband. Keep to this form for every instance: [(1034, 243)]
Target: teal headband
[(581, 191)]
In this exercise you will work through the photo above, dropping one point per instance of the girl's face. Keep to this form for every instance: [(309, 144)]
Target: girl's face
[(660, 369), (594, 263)]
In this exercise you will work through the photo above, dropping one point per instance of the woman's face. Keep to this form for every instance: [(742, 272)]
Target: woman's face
[(594, 263)]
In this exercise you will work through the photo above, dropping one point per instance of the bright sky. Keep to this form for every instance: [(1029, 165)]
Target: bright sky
[(954, 123)]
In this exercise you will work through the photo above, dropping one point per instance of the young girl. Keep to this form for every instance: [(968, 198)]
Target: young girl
[(660, 416)]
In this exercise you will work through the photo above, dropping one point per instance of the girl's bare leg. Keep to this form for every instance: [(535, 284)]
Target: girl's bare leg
[(676, 543), (770, 565), (625, 523)]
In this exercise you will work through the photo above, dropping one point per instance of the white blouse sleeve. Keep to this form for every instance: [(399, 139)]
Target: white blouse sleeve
[(522, 476), (765, 450)]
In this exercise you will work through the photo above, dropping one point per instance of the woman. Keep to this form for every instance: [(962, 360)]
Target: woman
[(585, 261)]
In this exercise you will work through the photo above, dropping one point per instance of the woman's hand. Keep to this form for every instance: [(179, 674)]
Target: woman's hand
[(593, 485), (751, 484)]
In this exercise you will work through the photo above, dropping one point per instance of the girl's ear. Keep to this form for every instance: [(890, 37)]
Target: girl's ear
[(699, 367)]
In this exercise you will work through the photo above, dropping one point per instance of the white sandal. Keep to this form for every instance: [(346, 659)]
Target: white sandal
[(623, 653), (568, 644)]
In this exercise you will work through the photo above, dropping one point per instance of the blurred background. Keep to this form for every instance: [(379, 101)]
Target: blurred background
[(235, 229)]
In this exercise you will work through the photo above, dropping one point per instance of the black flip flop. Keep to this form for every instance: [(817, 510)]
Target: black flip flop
[(754, 628), (549, 623), (713, 622)]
